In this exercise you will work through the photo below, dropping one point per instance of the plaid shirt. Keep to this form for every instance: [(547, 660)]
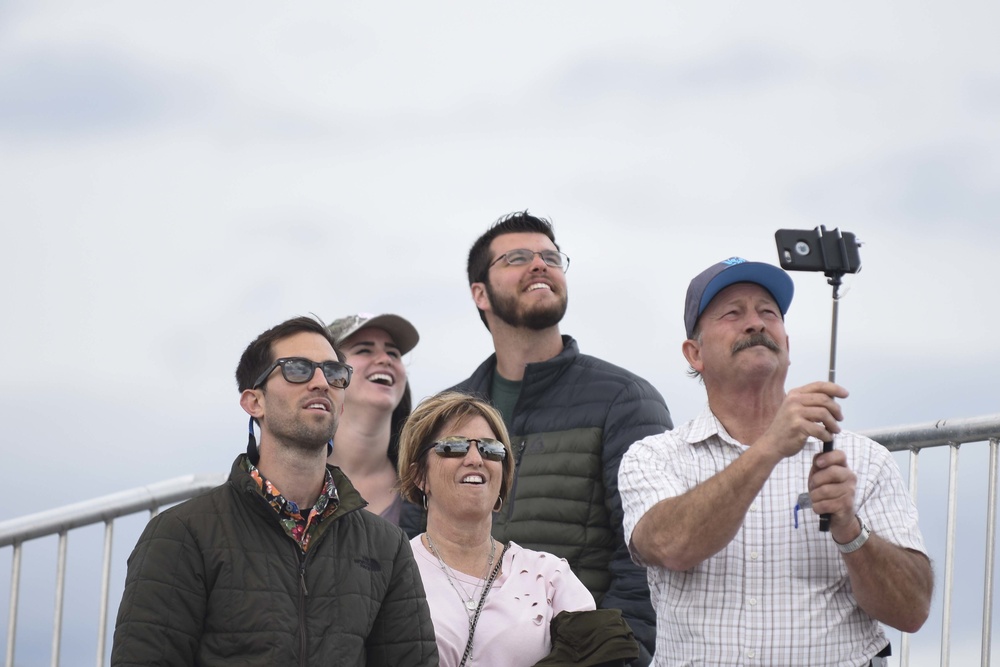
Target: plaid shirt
[(300, 528), (778, 593)]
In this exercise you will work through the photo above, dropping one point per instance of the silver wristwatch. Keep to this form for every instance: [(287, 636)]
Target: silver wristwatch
[(858, 541)]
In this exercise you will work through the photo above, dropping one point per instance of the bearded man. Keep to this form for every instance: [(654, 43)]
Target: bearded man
[(571, 418)]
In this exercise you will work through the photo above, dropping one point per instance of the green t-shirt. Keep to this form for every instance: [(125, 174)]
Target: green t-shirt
[(504, 393)]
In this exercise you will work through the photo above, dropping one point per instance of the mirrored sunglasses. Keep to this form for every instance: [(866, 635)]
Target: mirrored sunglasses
[(457, 446), (299, 370)]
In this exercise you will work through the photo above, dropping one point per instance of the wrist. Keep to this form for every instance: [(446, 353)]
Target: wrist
[(857, 542)]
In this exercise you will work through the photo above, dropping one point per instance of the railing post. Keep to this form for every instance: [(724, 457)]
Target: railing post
[(15, 582), (904, 649), (949, 553), (60, 591), (991, 531), (102, 622)]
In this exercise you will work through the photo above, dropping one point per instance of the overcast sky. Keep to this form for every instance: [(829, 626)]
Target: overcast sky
[(177, 177)]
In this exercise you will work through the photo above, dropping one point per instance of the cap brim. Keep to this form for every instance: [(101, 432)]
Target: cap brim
[(770, 277), (402, 331)]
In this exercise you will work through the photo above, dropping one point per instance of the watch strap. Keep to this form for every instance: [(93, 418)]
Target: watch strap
[(858, 541)]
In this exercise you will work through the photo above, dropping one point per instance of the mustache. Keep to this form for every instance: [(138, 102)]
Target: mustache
[(755, 339)]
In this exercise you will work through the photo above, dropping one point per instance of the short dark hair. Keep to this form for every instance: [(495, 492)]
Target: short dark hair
[(259, 354), (479, 255)]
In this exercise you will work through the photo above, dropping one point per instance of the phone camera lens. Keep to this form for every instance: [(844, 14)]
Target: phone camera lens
[(802, 248)]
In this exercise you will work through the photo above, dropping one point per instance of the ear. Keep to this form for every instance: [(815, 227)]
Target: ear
[(419, 481), (479, 296), (252, 402), (692, 352)]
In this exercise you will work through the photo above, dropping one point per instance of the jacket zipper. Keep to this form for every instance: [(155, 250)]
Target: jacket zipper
[(303, 594), (513, 487)]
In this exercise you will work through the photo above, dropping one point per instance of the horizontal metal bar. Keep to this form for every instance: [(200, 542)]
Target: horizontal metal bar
[(936, 434), (106, 508)]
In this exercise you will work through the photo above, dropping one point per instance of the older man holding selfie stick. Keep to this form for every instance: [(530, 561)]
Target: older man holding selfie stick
[(735, 573)]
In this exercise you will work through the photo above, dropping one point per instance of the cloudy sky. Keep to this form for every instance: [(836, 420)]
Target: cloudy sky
[(177, 177)]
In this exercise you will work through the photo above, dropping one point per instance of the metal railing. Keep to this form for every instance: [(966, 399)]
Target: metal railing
[(953, 433), (911, 438), (61, 520)]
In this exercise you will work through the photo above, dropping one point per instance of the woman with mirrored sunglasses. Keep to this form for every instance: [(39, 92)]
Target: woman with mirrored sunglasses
[(491, 603), (376, 404)]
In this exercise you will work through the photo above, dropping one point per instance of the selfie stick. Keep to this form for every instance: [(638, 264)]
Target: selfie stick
[(834, 279)]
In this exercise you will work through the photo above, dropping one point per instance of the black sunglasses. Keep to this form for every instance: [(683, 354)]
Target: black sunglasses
[(457, 446), (299, 370)]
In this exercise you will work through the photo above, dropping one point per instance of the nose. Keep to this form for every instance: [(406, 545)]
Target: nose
[(537, 263), (318, 380), (754, 322), (473, 457)]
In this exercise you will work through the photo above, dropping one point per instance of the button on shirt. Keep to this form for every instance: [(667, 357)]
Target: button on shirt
[(777, 594)]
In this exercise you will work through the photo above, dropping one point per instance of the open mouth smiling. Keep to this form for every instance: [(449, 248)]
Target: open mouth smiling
[(473, 479), (382, 378)]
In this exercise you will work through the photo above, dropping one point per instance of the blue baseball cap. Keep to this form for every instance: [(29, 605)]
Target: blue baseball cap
[(728, 272)]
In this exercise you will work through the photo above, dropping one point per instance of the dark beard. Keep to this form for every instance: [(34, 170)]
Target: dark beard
[(755, 339), (302, 436), (536, 319)]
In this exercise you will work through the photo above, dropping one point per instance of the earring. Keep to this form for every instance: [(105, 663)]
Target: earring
[(498, 505), (425, 501)]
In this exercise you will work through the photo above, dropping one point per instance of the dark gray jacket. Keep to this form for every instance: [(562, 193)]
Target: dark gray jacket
[(574, 419), (217, 581)]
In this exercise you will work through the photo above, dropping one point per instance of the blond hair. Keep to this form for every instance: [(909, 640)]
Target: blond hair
[(423, 428)]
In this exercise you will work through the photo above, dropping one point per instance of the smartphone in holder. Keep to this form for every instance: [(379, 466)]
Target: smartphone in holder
[(834, 253), (818, 250)]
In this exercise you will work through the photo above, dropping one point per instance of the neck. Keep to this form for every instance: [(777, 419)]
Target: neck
[(518, 347), (362, 441), (463, 546), (361, 451), (745, 412), (297, 474)]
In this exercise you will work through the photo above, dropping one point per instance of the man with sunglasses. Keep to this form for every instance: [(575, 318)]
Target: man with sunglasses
[(278, 566), (571, 418)]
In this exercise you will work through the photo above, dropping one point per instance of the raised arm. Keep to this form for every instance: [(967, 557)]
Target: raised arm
[(892, 583), (683, 530)]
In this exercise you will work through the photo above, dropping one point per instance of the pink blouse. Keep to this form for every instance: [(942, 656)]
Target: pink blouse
[(513, 629)]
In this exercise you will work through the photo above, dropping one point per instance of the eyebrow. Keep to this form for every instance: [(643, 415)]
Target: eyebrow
[(371, 343)]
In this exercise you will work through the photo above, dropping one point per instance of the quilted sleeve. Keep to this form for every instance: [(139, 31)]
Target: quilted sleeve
[(403, 634), (638, 411), (163, 606)]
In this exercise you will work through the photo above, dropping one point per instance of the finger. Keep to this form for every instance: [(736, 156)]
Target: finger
[(836, 458), (830, 389)]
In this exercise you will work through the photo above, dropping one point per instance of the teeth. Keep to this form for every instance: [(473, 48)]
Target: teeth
[(315, 406), (381, 378), (535, 286), (473, 479)]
